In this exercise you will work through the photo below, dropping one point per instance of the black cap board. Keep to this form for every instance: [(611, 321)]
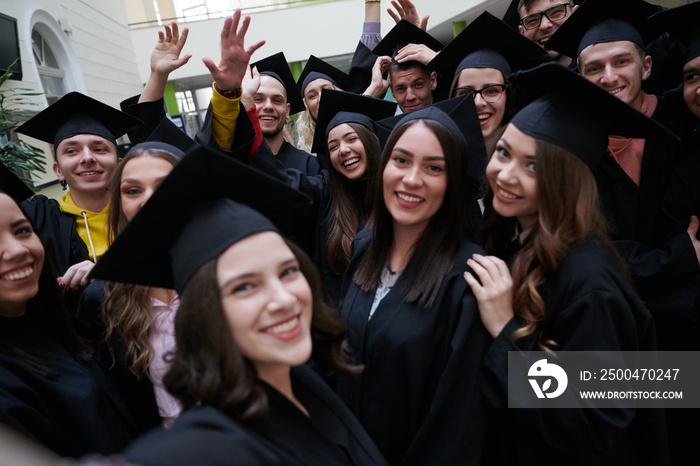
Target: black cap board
[(599, 21), (277, 66), (401, 35), (74, 114), (195, 214), (338, 107), (318, 69), (489, 43), (460, 117), (11, 185), (176, 151), (577, 115), (683, 23)]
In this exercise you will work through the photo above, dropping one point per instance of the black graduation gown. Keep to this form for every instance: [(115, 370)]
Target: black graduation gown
[(74, 413), (589, 307), (664, 273), (291, 157), (318, 217), (137, 391), (418, 396), (205, 435)]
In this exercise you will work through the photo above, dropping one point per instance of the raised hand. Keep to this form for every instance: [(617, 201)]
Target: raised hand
[(165, 57), (405, 9), (228, 74)]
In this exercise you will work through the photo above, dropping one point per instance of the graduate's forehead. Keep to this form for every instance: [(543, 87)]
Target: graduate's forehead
[(271, 87)]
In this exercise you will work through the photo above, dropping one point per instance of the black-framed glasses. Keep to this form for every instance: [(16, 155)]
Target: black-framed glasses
[(554, 13), (490, 92)]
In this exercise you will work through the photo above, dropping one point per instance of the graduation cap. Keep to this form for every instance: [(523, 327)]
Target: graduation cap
[(339, 107), (277, 66), (489, 43), (158, 145), (459, 115), (577, 115), (74, 114), (207, 203), (512, 16), (598, 21), (11, 185), (401, 35), (318, 69), (683, 23)]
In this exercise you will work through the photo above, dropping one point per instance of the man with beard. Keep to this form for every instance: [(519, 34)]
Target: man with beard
[(276, 97)]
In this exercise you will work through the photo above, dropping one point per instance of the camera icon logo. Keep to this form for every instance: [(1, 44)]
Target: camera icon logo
[(543, 371)]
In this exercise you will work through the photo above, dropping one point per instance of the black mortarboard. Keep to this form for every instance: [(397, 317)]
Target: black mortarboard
[(401, 35), (577, 115), (338, 107), (157, 145), (195, 215), (318, 69), (74, 114), (460, 117), (169, 132), (512, 16), (277, 66), (683, 23), (489, 43), (11, 185), (599, 21)]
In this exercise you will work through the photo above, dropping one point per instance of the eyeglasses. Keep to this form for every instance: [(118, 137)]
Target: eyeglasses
[(555, 13), (490, 93)]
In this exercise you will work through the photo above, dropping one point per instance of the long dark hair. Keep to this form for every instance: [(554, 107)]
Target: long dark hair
[(433, 254), (209, 368), (47, 312), (350, 201), (569, 212)]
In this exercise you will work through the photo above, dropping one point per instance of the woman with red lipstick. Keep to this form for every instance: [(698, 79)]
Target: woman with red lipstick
[(558, 283), (412, 321), (251, 316), (50, 390)]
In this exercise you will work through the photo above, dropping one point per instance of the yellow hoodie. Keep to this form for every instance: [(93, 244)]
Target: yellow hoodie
[(91, 226)]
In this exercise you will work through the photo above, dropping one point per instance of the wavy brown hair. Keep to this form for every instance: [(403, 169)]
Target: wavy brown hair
[(127, 308), (209, 368), (433, 254), (351, 200), (569, 212)]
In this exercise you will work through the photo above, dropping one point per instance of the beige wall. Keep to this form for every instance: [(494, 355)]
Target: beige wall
[(96, 52)]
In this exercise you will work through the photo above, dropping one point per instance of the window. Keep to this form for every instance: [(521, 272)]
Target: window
[(50, 72)]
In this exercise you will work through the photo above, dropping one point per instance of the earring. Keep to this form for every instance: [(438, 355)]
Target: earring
[(64, 184)]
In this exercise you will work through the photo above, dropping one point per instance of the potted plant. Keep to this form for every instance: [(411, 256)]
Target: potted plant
[(19, 156)]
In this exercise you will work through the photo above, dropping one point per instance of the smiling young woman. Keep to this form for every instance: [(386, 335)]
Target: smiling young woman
[(411, 321), (555, 282), (251, 316), (50, 388)]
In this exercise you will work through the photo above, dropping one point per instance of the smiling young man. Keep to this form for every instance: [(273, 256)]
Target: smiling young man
[(276, 98), (540, 19), (83, 132), (405, 53), (636, 173)]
